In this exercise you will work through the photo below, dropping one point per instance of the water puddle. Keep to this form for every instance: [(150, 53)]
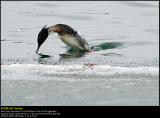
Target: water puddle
[(107, 45)]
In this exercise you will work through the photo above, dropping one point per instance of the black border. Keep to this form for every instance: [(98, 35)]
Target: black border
[(79, 0), (92, 110)]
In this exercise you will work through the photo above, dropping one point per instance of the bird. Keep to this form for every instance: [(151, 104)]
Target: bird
[(67, 34)]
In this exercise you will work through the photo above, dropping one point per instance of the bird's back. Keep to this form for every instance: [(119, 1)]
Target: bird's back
[(65, 29)]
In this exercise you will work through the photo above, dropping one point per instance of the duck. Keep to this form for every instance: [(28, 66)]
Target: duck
[(67, 35)]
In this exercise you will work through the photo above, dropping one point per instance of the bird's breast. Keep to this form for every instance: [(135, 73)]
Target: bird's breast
[(71, 41)]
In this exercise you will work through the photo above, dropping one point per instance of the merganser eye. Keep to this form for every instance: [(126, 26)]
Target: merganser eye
[(67, 35)]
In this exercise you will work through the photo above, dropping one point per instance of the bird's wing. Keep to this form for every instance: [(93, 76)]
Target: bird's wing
[(82, 41)]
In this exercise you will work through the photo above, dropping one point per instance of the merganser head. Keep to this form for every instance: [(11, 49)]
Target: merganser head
[(42, 36)]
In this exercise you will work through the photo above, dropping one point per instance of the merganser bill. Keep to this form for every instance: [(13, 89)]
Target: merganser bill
[(67, 35)]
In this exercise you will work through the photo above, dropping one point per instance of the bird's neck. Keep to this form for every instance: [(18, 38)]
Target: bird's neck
[(53, 29)]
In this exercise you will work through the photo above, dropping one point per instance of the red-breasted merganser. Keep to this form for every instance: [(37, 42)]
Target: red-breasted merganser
[(67, 35)]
